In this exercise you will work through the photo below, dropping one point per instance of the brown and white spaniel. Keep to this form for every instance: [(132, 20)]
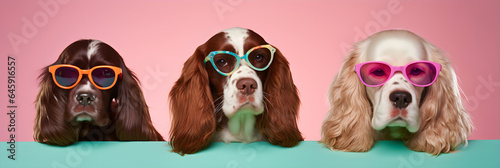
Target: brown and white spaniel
[(234, 88), (89, 94), (396, 85)]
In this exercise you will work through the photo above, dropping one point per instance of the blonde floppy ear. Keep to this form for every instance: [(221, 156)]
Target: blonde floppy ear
[(347, 125), (445, 123)]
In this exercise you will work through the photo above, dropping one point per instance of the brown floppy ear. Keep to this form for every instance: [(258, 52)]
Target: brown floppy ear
[(445, 123), (192, 108), (132, 119), (50, 126), (347, 124), (278, 122)]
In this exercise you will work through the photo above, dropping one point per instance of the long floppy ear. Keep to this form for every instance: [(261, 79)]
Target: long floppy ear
[(347, 124), (445, 123), (191, 105), (50, 126), (133, 122), (278, 123)]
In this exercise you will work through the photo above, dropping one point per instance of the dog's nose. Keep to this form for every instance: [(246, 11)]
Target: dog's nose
[(246, 86), (401, 99), (85, 98)]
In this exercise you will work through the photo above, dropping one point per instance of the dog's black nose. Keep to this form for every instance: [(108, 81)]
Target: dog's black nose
[(85, 98), (401, 99), (246, 86)]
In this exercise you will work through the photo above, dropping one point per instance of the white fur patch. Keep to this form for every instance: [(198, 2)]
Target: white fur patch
[(92, 48), (236, 36), (87, 87), (233, 97), (396, 51)]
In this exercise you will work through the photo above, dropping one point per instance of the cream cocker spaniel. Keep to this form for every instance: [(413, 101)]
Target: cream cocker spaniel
[(396, 85)]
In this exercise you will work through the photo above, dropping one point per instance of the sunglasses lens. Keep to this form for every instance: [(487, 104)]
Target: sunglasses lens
[(421, 73), (260, 58), (225, 62), (103, 77), (375, 73), (66, 76)]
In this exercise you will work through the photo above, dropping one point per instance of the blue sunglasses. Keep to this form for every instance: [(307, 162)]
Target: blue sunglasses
[(227, 62)]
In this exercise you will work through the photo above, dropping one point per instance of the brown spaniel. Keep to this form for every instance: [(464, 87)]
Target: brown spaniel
[(234, 88), (89, 94)]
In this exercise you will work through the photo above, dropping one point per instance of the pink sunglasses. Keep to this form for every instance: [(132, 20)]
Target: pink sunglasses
[(419, 73)]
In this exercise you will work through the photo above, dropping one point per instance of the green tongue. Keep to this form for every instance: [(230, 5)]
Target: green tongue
[(243, 123)]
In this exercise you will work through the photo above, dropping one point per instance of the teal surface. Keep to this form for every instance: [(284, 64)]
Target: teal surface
[(478, 154)]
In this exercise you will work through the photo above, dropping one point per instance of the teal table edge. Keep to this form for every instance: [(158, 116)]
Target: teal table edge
[(479, 153)]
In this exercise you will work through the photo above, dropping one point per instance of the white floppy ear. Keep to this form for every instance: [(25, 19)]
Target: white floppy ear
[(347, 125), (445, 123)]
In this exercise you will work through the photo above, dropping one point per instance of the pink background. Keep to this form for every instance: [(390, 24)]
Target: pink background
[(157, 34)]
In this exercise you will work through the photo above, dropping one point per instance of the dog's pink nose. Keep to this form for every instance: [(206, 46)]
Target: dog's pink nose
[(246, 86)]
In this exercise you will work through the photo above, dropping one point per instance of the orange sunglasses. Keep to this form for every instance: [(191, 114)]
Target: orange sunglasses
[(67, 76)]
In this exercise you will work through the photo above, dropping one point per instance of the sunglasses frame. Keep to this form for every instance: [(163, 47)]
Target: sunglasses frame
[(402, 69), (211, 55), (117, 70)]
